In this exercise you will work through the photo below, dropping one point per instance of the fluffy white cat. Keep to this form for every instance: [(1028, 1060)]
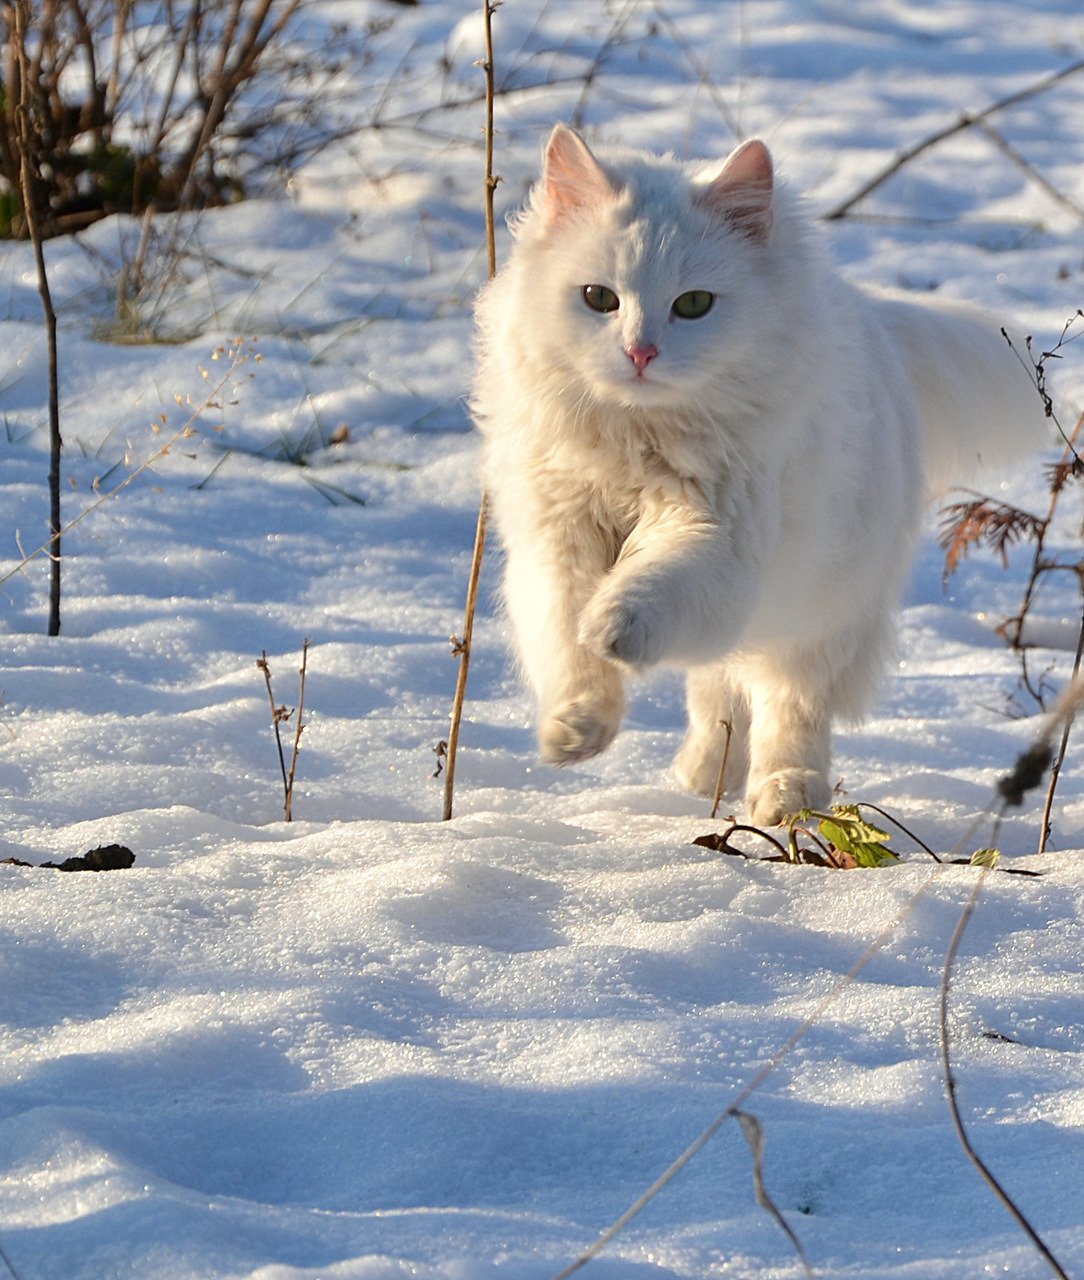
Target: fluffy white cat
[(705, 448)]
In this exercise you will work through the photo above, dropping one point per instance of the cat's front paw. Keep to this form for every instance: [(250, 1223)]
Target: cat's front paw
[(784, 793), (624, 630), (578, 729)]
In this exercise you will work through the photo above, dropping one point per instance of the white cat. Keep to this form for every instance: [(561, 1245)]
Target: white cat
[(705, 448)]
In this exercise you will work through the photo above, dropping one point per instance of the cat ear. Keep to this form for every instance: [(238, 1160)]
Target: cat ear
[(741, 192), (572, 178)]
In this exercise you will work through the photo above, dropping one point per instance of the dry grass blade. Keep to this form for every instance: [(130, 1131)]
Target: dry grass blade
[(30, 188), (1064, 714), (236, 355), (753, 1132), (746, 1092), (728, 729), (9, 1265), (950, 1089), (462, 648), (299, 729), (278, 715), (967, 120)]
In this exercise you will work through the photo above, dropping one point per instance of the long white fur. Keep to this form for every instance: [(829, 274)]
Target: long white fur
[(747, 507)]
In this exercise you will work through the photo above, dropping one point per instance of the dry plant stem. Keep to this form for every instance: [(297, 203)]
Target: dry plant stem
[(299, 728), (717, 797), (28, 177), (1025, 166), (1059, 758), (463, 650), (746, 1092), (491, 179), (1014, 626), (702, 71), (278, 714), (950, 1088), (966, 121), (1072, 699), (753, 1132), (463, 647), (182, 433), (9, 1265), (590, 76), (865, 804)]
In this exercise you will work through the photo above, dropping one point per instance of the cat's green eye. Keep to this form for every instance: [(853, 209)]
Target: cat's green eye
[(694, 304), (599, 298)]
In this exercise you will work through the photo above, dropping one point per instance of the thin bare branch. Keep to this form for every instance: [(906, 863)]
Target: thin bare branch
[(1026, 167), (967, 120), (278, 714), (1063, 744), (462, 648), (753, 1132), (29, 180), (299, 728), (720, 781), (950, 1088), (826, 1001)]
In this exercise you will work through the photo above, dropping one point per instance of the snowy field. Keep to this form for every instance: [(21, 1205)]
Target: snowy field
[(369, 1045)]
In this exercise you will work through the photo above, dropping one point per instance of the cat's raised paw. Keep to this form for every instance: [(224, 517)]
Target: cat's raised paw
[(783, 793), (623, 631), (577, 731)]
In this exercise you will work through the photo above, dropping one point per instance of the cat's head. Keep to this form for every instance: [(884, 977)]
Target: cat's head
[(637, 278)]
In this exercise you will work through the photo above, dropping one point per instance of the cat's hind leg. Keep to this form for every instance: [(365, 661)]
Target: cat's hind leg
[(718, 728)]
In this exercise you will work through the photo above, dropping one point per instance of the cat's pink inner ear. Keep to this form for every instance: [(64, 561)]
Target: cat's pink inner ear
[(571, 176), (741, 192)]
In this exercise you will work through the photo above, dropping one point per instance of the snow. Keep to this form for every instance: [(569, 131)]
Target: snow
[(369, 1045)]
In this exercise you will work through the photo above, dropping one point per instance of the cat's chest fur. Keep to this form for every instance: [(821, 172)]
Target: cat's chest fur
[(621, 457)]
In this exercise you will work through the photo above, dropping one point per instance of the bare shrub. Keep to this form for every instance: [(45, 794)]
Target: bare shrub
[(147, 105)]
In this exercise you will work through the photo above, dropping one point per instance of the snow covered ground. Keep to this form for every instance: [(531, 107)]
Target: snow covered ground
[(368, 1045)]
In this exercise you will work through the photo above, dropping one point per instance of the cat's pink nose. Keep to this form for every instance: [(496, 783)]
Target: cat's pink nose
[(641, 356)]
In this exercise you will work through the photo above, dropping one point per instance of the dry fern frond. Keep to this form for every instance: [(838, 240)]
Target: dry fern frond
[(982, 521)]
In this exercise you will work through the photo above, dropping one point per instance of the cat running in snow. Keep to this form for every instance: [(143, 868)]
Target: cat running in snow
[(705, 448)]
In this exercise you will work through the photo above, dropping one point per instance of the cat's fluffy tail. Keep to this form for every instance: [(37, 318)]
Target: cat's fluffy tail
[(979, 405)]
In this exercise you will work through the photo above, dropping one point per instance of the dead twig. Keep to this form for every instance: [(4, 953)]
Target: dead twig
[(753, 1132), (461, 648), (279, 716), (237, 355), (1059, 756), (950, 1088), (299, 728), (728, 728), (999, 526), (758, 1078), (1026, 167), (967, 120), (29, 182)]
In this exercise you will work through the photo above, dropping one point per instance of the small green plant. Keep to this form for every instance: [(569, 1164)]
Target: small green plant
[(846, 837), (839, 838)]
